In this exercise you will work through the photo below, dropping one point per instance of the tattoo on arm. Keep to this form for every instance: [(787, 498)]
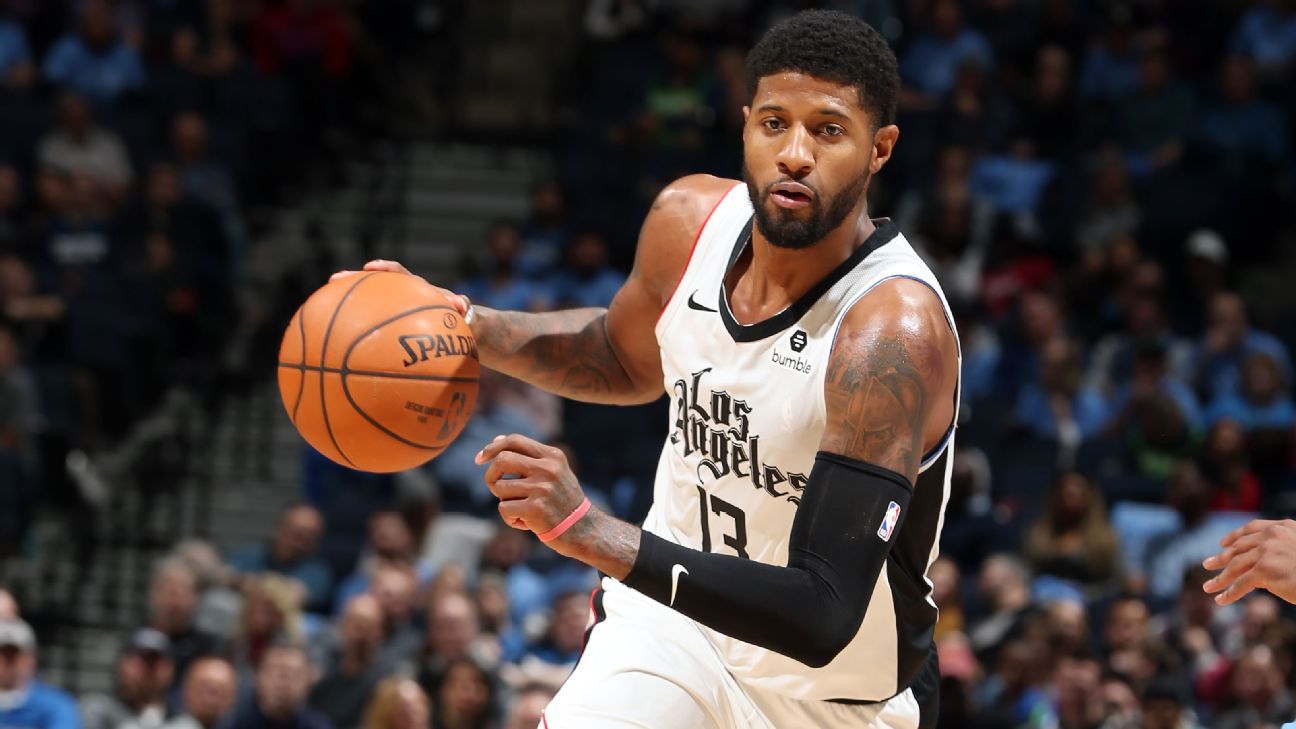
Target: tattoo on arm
[(877, 394), (565, 352)]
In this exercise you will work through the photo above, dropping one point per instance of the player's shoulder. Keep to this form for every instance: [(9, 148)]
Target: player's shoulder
[(903, 317), (673, 223)]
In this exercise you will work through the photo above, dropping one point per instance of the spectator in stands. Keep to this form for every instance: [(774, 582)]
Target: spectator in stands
[(1164, 706), (9, 609), (1012, 179), (210, 692), (32, 704), (19, 423), (144, 673), (1073, 538), (501, 285), (353, 672), (219, 601), (1228, 341), (562, 642), (391, 542), (1055, 407), (1014, 693), (301, 35), (1077, 685), (1241, 128), (1267, 34), (931, 64), (586, 279), (209, 181), (271, 615), (1111, 66), (1226, 465), (1110, 210), (398, 703), (1259, 694), (496, 617), (1150, 377), (279, 701), (173, 603), (457, 470), (1004, 589), (395, 585), (1153, 120), (464, 698), (13, 230), (1264, 401), (79, 149), (528, 704), (1050, 114), (1170, 556), (1112, 359), (95, 61), (1125, 633), (16, 69), (546, 234), (292, 552), (453, 633)]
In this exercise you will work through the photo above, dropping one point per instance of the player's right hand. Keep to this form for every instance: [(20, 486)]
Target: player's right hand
[(1260, 554), (459, 301)]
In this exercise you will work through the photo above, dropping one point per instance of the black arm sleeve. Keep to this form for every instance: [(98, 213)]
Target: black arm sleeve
[(812, 608)]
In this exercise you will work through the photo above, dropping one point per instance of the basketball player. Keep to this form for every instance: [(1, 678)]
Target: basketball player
[(780, 578), (1258, 554)]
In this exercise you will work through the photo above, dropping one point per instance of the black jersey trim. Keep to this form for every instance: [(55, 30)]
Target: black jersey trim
[(885, 231)]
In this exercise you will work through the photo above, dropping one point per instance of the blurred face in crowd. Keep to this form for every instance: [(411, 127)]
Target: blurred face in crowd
[(527, 707), (16, 279), (1127, 624), (548, 203), (1197, 606), (1237, 79), (493, 603), (282, 682), (502, 245), (1078, 693), (8, 605), (210, 689), (395, 587), (390, 536), (944, 575), (588, 253), (190, 137), (173, 597), (97, 25), (1052, 73), (1258, 613), (464, 692), (17, 666), (799, 129), (452, 626), (1016, 666), (1074, 498), (362, 625), (1161, 713), (74, 115), (1226, 444), (1256, 681), (509, 547), (413, 710), (1059, 366), (298, 534), (946, 18), (1068, 627), (1262, 380), (164, 185), (8, 358), (1228, 318), (262, 616), (1144, 317), (10, 189), (570, 616), (143, 677), (1040, 319)]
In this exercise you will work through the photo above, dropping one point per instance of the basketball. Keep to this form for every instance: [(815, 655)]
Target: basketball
[(378, 371)]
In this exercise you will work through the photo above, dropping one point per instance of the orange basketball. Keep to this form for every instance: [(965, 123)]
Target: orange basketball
[(378, 371)]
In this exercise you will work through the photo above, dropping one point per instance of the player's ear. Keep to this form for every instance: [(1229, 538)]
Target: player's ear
[(884, 141), (746, 113)]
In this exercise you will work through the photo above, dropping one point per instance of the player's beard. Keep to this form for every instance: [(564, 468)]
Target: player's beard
[(785, 230)]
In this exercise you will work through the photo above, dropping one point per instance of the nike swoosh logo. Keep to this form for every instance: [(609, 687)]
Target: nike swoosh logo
[(676, 571), (695, 305)]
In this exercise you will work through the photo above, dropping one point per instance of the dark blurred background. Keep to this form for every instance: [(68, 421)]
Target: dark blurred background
[(1105, 189)]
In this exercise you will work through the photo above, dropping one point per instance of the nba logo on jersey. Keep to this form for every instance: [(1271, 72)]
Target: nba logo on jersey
[(889, 521)]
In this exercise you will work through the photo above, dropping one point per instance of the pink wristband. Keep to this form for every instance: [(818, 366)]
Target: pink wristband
[(567, 523)]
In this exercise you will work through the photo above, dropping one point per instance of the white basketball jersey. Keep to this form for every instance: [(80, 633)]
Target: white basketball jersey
[(747, 413)]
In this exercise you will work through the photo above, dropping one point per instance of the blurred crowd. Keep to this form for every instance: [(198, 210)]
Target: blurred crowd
[(1100, 186)]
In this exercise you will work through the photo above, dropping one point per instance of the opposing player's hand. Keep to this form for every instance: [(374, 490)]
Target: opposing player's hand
[(1259, 554), (534, 483), (459, 301)]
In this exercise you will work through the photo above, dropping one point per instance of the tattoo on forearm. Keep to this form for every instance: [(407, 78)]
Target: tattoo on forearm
[(877, 400), (565, 352)]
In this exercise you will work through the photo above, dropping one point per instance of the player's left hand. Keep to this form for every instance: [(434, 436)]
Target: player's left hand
[(534, 483), (1260, 554)]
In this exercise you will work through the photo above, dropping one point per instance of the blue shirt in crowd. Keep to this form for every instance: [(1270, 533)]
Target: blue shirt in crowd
[(1220, 374), (515, 294), (314, 573), (1268, 37), (574, 290), (41, 707), (13, 46), (932, 63), (102, 76), (1278, 414)]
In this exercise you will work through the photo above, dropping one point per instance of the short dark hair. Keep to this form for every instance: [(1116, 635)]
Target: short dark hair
[(832, 46)]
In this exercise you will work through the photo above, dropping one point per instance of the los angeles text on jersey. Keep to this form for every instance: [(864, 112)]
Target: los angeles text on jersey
[(717, 428)]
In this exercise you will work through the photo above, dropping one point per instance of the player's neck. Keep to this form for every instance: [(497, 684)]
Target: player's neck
[(769, 278)]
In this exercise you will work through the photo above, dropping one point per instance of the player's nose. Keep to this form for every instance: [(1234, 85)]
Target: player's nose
[(796, 156)]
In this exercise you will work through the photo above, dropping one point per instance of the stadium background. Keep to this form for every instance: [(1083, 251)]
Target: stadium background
[(1103, 187)]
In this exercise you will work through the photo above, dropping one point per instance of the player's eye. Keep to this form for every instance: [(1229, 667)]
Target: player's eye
[(772, 124), (832, 130)]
